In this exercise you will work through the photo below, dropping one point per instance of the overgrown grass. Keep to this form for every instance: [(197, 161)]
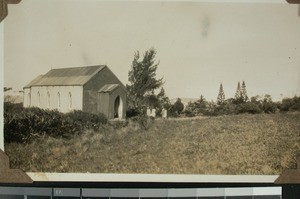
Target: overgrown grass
[(236, 144)]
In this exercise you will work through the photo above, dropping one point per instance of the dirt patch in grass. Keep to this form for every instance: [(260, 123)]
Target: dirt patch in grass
[(238, 144)]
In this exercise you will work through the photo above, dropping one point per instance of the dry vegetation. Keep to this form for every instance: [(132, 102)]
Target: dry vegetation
[(237, 144)]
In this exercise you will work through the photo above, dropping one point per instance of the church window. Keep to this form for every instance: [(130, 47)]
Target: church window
[(70, 100), (48, 100), (39, 99), (29, 99), (58, 100)]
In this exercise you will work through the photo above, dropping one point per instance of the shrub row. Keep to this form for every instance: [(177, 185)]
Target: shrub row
[(254, 106), (22, 124)]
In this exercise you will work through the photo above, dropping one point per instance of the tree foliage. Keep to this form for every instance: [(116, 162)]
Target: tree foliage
[(163, 99), (290, 104), (244, 95), (198, 107), (241, 95), (143, 81), (221, 96), (177, 108), (238, 94)]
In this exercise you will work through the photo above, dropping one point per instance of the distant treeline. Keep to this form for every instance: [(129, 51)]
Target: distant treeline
[(254, 105), (240, 103)]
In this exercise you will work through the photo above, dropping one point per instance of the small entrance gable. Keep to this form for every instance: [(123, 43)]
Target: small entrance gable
[(112, 101)]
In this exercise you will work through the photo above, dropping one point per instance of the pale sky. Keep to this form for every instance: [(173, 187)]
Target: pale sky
[(199, 45)]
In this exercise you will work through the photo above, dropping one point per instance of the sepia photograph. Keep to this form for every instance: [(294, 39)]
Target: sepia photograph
[(152, 87)]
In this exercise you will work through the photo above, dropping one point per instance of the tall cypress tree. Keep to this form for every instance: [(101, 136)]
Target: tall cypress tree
[(221, 95), (238, 94), (244, 95)]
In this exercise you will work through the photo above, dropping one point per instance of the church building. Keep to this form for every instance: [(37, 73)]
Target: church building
[(92, 89)]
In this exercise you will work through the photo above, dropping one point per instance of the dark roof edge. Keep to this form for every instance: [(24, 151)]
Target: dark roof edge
[(52, 85), (75, 67)]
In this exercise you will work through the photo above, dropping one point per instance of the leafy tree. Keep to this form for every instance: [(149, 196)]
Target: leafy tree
[(198, 107), (201, 104), (264, 103), (211, 108), (268, 105), (177, 107), (163, 99), (221, 96), (290, 104), (152, 101), (244, 95), (143, 81)]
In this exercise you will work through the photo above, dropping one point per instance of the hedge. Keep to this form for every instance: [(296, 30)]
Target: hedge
[(22, 124)]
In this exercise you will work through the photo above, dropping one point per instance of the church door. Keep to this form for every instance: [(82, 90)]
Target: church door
[(118, 109)]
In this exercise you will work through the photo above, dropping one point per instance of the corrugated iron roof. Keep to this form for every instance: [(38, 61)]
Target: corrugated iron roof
[(34, 81), (66, 76), (107, 88)]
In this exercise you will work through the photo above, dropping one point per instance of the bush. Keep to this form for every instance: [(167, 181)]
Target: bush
[(87, 120), (189, 113), (177, 107), (290, 104), (223, 109), (249, 107), (12, 107), (144, 122), (198, 107), (229, 109), (23, 124), (118, 124), (269, 107), (132, 112)]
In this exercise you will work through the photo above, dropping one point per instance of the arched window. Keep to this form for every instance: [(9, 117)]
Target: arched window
[(48, 99), (58, 100), (70, 100), (39, 99)]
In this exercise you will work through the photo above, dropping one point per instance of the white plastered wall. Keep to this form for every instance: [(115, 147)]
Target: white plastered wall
[(46, 97)]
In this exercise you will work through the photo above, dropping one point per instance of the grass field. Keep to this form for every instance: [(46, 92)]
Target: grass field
[(238, 144)]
